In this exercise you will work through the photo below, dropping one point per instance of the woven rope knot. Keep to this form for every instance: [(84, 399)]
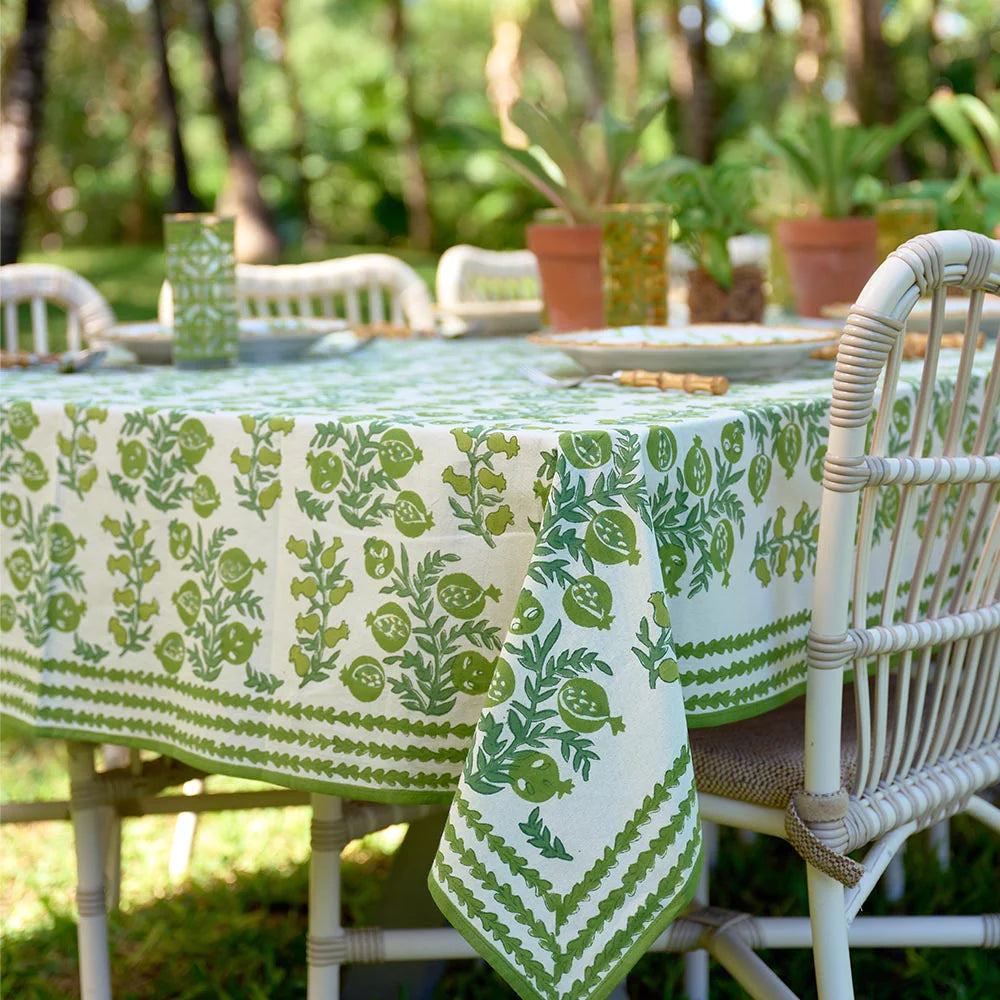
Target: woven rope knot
[(829, 651), (924, 259), (821, 807), (980, 260), (844, 474), (828, 809)]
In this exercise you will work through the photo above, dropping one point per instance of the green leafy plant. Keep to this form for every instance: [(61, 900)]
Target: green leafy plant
[(709, 203), (578, 169), (838, 164)]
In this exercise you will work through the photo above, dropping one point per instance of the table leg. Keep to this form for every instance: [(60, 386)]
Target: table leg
[(87, 809), (325, 950)]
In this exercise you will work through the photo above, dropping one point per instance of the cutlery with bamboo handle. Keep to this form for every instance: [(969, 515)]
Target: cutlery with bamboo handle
[(689, 382)]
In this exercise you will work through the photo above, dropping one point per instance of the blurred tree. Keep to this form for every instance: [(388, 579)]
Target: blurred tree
[(181, 198), (626, 55), (415, 187), (571, 14), (256, 235), (20, 126), (692, 92)]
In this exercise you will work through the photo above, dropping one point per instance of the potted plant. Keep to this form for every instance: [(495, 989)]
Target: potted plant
[(832, 252), (711, 204), (580, 171)]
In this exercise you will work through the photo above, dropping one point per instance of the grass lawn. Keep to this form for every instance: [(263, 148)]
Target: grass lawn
[(236, 926)]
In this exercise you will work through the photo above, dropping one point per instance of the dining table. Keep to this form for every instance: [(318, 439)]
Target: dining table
[(409, 574)]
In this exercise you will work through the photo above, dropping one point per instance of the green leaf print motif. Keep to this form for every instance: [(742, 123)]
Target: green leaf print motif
[(206, 605), (75, 465), (422, 640), (774, 546), (323, 586), (19, 420), (656, 654), (129, 625), (512, 751), (478, 489), (540, 836), (257, 481)]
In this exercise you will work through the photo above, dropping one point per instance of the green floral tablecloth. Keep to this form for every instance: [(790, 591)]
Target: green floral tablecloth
[(409, 572)]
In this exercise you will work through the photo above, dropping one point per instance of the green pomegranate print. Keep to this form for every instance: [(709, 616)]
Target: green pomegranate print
[(501, 684), (8, 613), (410, 515), (325, 470), (668, 670), (661, 448), (661, 613), (304, 587), (33, 472), (528, 615), (491, 480), (463, 440), (10, 509), (586, 449), (535, 777), (187, 600), (204, 497), (379, 558), (499, 520), (238, 642), (583, 706), (816, 465), (118, 631), (759, 477), (62, 544), (587, 602), (236, 569), (890, 503), (397, 453), (299, 660), (364, 678), (462, 597), (133, 458), (697, 469), (180, 539), (471, 672), (500, 445), (390, 626), (461, 485), (63, 612), (788, 448), (22, 420), (610, 538), (170, 652), (19, 567), (284, 425), (901, 415), (241, 460), (193, 440), (732, 441), (673, 563), (298, 547), (721, 549)]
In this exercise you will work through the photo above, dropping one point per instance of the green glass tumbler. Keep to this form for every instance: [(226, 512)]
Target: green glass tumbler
[(636, 271), (201, 269)]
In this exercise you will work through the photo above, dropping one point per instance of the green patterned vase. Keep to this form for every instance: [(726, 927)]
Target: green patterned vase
[(201, 269), (636, 274)]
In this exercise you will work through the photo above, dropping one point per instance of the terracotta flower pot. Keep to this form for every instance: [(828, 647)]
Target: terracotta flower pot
[(569, 265), (829, 260), (708, 302)]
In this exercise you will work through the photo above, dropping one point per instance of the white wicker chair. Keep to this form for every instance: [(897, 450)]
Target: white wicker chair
[(87, 312), (371, 288), (921, 735), (489, 290)]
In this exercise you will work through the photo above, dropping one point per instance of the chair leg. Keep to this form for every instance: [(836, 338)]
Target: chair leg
[(185, 827), (831, 953), (940, 837), (894, 879), (696, 962), (111, 838), (86, 809), (325, 945)]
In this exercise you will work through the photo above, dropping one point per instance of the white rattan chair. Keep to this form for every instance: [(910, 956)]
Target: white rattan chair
[(372, 288), (920, 735), (87, 312), (491, 291)]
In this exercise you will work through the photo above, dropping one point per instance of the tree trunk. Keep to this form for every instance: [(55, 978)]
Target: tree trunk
[(20, 127), (416, 191), (626, 55), (182, 198), (503, 76), (814, 46), (570, 15), (691, 87), (256, 235)]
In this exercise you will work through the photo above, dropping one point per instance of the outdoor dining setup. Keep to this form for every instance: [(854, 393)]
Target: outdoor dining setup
[(408, 563)]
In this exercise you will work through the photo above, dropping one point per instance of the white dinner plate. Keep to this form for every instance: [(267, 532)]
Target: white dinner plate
[(955, 309), (737, 350), (262, 341)]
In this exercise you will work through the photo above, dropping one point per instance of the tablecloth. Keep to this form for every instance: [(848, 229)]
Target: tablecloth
[(408, 573)]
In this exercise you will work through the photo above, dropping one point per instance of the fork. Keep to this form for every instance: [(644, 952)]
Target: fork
[(637, 377)]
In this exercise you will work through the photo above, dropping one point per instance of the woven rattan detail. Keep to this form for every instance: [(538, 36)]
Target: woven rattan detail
[(980, 260), (865, 344), (812, 850), (924, 259), (328, 835), (90, 902)]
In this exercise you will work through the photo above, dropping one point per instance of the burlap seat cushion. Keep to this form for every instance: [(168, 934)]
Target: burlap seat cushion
[(761, 760)]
